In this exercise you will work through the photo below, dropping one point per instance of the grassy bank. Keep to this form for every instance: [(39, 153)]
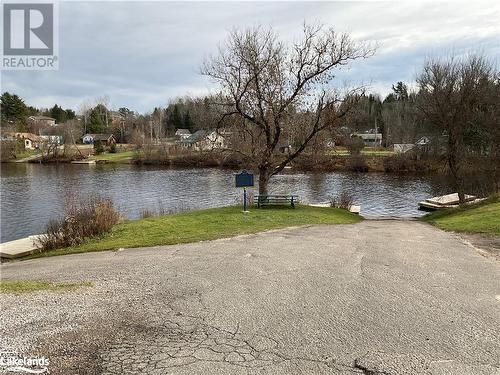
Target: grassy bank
[(19, 155), (117, 157), (27, 286), (481, 218), (206, 225)]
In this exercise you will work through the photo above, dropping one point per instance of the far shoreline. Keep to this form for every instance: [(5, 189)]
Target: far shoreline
[(391, 164)]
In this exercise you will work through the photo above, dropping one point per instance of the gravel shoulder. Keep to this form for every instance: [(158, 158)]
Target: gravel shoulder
[(377, 297), (486, 245)]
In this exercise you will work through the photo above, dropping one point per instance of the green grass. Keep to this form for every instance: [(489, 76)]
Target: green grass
[(27, 286), (377, 152), (480, 218), (206, 225), (367, 151), (118, 157), (25, 154)]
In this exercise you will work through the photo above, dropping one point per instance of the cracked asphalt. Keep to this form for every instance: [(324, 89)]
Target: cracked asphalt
[(378, 297)]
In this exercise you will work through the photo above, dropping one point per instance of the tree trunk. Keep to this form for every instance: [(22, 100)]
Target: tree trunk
[(458, 180), (454, 160), (263, 180)]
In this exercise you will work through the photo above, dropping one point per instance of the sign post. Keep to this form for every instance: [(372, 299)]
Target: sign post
[(244, 179), (245, 199)]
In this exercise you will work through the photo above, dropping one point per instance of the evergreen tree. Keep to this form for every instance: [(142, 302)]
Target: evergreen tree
[(70, 114), (188, 122), (175, 119), (13, 110), (125, 112), (97, 119), (58, 113), (400, 91)]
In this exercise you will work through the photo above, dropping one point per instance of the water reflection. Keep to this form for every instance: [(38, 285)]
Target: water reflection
[(32, 194)]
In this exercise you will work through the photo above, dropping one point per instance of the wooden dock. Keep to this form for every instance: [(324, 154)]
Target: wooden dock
[(84, 162), (446, 201), (18, 248)]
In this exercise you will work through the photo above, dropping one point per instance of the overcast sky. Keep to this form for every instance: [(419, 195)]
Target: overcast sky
[(143, 54)]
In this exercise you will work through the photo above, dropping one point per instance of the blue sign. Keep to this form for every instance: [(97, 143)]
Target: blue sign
[(244, 179)]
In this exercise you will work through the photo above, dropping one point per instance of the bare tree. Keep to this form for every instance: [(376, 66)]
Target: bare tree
[(267, 85), (453, 92), (84, 110), (103, 102), (490, 132)]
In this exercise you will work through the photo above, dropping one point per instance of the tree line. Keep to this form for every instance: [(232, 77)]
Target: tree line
[(274, 96), (15, 112), (125, 124)]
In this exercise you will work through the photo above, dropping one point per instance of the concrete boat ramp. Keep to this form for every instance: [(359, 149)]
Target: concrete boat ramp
[(353, 209), (18, 248)]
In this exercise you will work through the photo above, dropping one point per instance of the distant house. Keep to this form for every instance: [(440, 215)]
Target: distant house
[(89, 139), (402, 148), (182, 134), (31, 141), (370, 139), (42, 120), (52, 139), (204, 140), (423, 141)]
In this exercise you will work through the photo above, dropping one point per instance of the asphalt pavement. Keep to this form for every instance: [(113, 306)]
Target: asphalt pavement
[(377, 297)]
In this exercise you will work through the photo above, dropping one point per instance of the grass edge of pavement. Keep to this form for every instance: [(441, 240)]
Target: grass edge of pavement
[(483, 217), (205, 225), (28, 286)]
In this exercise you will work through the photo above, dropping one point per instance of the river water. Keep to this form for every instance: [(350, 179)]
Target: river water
[(32, 194)]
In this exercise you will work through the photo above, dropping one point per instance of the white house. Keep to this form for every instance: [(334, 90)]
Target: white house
[(42, 120), (52, 139), (205, 140), (182, 134), (370, 139), (423, 141), (31, 141), (89, 139), (401, 148)]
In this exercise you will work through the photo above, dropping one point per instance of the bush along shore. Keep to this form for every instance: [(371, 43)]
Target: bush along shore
[(191, 226), (369, 162), (306, 163)]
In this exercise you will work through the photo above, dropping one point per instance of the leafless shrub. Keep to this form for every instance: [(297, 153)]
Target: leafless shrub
[(8, 150), (147, 212), (161, 210), (344, 200), (355, 145), (459, 95), (83, 218), (356, 163)]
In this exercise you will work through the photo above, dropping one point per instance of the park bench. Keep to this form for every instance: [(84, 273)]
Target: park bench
[(265, 200)]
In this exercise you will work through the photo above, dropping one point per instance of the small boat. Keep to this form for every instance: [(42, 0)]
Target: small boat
[(446, 201)]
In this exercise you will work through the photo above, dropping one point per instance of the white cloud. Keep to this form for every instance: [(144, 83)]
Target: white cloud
[(142, 54)]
